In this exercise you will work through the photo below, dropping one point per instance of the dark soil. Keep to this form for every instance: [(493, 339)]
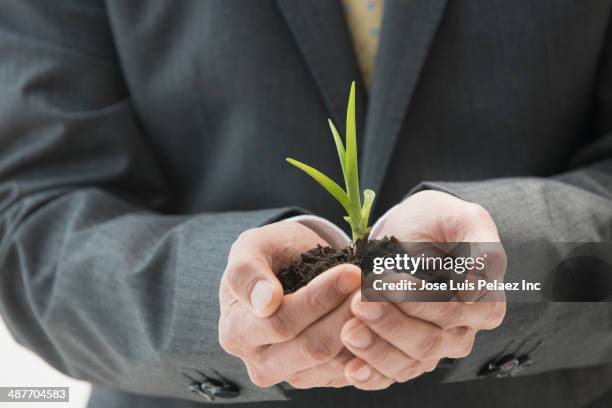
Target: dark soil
[(319, 259)]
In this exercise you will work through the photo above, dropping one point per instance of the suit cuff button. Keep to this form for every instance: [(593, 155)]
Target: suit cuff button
[(507, 366), (211, 388)]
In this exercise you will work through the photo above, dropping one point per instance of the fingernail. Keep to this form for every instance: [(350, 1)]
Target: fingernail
[(362, 374), (360, 337), (347, 282), (370, 310), (261, 294)]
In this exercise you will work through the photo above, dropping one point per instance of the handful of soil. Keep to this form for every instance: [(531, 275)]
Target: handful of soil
[(317, 260)]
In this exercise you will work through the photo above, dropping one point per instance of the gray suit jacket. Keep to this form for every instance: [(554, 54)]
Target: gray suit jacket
[(139, 138)]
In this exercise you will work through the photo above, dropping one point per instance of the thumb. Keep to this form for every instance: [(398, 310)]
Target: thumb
[(254, 257), (484, 279), (254, 283)]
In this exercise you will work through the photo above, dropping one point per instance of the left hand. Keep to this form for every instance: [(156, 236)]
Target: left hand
[(293, 338), (398, 342)]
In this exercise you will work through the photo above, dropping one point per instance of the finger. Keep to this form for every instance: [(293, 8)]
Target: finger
[(304, 307), (364, 377), (254, 257), (401, 292), (414, 337), (430, 365), (329, 374), (318, 344), (447, 315), (339, 382), (379, 353)]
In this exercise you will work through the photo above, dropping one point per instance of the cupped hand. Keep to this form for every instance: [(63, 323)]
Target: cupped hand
[(396, 342), (293, 338)]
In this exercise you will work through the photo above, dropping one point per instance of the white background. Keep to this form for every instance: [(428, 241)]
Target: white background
[(21, 367)]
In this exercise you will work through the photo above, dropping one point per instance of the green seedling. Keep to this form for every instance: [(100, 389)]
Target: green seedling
[(350, 197)]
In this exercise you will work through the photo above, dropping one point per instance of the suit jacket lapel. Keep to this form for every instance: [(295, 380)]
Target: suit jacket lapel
[(321, 32), (407, 32)]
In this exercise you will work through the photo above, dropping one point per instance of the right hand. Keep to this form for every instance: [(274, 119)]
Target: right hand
[(293, 338)]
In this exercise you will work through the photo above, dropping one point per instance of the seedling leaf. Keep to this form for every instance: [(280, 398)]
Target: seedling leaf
[(339, 147), (351, 198), (351, 175), (328, 184), (368, 199)]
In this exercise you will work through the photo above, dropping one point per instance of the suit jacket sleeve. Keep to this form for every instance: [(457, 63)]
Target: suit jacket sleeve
[(94, 278), (575, 206)]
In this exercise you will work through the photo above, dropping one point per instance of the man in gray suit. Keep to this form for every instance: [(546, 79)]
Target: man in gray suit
[(140, 139)]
